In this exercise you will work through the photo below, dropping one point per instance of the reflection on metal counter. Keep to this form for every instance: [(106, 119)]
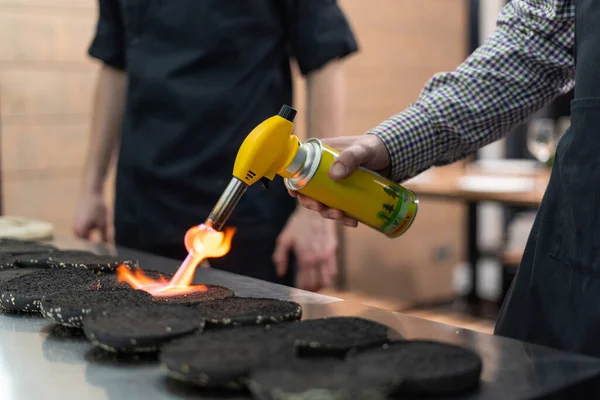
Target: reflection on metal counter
[(272, 149), (68, 367)]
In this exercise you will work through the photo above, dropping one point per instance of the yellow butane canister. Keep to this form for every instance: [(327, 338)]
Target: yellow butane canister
[(365, 195)]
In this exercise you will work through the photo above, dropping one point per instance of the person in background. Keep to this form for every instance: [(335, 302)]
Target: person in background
[(181, 84), (540, 50)]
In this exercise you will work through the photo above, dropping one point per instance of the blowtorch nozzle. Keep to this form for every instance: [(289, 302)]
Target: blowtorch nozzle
[(270, 149), (226, 204)]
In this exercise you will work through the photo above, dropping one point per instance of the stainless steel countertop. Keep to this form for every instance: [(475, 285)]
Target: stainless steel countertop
[(37, 363)]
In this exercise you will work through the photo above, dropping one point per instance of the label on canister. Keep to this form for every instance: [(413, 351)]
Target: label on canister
[(365, 195), (399, 217)]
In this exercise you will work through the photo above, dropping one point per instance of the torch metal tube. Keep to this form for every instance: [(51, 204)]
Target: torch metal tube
[(226, 204)]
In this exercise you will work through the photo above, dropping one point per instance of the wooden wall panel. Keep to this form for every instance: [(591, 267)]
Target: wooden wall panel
[(371, 101), (402, 44), (42, 145), (417, 266), (27, 93), (45, 38), (46, 86), (63, 5), (50, 198)]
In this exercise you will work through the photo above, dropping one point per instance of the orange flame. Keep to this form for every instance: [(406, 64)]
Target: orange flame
[(201, 242)]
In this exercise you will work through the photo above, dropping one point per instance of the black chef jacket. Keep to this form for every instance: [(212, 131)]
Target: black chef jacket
[(202, 74)]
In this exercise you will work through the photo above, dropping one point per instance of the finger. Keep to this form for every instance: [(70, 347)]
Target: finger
[(333, 269), (104, 233), (326, 271), (306, 280), (307, 259), (281, 254), (307, 264), (348, 161), (301, 279), (349, 222), (83, 231), (332, 213), (339, 216), (76, 231), (327, 214), (309, 203), (293, 193), (315, 283), (329, 264), (76, 227), (332, 264)]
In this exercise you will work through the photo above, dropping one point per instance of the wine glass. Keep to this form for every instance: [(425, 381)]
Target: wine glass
[(541, 139)]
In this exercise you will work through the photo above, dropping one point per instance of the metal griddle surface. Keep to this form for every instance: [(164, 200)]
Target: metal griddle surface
[(36, 363)]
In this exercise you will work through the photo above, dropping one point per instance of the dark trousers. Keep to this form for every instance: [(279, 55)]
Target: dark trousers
[(250, 255)]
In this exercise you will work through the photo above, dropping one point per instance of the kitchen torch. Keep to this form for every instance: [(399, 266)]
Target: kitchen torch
[(272, 149)]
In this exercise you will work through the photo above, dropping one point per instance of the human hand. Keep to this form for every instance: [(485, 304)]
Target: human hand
[(314, 243), (367, 151), (91, 215)]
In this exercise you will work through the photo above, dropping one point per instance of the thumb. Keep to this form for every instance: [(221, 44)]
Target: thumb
[(348, 161), (281, 254)]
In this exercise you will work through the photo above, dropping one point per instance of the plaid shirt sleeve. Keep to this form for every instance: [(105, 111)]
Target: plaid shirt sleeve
[(526, 63)]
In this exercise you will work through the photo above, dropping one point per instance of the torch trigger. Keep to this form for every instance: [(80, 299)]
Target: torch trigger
[(265, 182)]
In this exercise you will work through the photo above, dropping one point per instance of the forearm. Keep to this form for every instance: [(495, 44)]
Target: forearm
[(526, 63), (107, 118), (325, 101)]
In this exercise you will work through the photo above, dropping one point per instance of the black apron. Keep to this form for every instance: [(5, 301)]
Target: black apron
[(201, 76), (555, 297)]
